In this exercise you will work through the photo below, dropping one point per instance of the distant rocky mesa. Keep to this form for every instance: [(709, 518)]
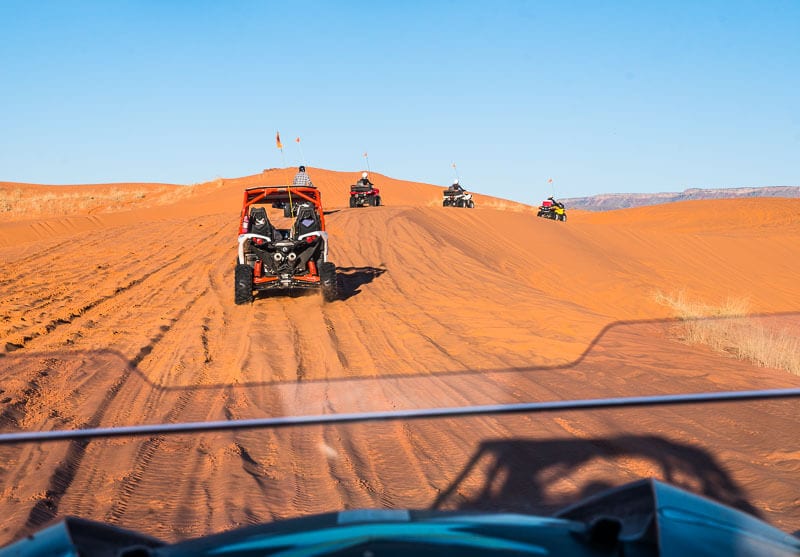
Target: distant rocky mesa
[(611, 201)]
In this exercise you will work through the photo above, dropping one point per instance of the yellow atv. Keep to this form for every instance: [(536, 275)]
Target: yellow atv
[(552, 209)]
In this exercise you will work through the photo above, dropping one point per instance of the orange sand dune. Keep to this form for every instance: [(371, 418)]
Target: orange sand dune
[(126, 316), (39, 212), (719, 215), (20, 201)]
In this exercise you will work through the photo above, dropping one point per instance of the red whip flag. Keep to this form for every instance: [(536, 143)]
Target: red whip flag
[(298, 140), (278, 140), (550, 181)]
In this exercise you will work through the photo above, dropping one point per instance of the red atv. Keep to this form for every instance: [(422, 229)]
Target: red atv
[(361, 195), (294, 256)]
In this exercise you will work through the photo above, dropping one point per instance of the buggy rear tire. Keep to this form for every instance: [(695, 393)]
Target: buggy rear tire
[(243, 284), (327, 276)]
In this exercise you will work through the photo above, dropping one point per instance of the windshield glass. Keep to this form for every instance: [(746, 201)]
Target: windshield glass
[(141, 302)]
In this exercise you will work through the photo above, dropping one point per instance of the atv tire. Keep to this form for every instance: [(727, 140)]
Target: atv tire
[(243, 284), (377, 200), (352, 201), (327, 276), (471, 204)]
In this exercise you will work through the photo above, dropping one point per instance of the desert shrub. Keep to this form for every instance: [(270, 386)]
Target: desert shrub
[(729, 328)]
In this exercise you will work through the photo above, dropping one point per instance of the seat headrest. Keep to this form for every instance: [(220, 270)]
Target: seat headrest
[(259, 223)]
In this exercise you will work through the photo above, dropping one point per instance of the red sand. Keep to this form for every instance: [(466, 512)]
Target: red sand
[(125, 315)]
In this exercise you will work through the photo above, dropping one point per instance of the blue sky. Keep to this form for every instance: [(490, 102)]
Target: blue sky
[(602, 97)]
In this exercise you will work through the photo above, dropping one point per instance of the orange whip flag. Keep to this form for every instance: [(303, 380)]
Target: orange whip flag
[(278, 140), (550, 181), (298, 140)]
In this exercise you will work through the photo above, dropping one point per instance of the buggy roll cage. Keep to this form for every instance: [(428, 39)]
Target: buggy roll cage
[(398, 415), (282, 194)]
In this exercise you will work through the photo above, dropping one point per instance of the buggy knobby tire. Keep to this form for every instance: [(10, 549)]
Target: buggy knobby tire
[(327, 276), (243, 284)]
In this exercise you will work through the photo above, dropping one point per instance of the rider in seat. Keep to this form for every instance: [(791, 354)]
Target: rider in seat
[(301, 179), (456, 187), (364, 181)]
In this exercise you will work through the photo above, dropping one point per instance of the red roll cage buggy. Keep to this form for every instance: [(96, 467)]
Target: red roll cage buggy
[(282, 258)]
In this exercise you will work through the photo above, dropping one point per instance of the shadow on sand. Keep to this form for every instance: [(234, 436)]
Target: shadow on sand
[(520, 475), (349, 282), (351, 279)]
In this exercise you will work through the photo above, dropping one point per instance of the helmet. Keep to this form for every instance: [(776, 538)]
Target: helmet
[(363, 174), (455, 183), (302, 168)]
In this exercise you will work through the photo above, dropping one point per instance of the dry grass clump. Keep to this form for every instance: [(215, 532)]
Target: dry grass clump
[(728, 328)]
